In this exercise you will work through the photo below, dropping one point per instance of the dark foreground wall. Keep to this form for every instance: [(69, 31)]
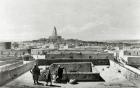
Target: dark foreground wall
[(94, 61), (82, 76), (13, 73), (79, 76), (73, 67)]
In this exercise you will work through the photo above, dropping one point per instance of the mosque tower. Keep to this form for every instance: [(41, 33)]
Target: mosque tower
[(55, 37), (54, 32)]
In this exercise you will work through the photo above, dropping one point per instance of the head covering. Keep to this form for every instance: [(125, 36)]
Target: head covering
[(59, 65), (35, 65), (47, 67)]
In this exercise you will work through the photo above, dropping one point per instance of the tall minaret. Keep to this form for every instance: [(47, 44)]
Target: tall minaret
[(54, 32)]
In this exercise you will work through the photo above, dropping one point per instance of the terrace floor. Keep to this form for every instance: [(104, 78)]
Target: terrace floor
[(112, 78)]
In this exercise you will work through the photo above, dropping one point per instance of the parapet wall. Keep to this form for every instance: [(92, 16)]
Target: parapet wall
[(8, 62), (15, 72), (73, 67), (81, 56), (126, 72), (94, 61), (82, 76), (10, 66)]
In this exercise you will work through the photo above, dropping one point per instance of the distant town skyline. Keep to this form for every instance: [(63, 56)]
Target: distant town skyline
[(92, 20)]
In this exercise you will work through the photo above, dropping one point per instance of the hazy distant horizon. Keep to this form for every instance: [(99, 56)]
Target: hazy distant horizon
[(109, 40), (89, 20)]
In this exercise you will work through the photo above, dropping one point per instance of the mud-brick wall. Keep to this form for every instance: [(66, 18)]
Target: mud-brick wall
[(73, 66), (81, 56), (83, 76), (94, 61), (127, 73), (13, 73), (79, 76)]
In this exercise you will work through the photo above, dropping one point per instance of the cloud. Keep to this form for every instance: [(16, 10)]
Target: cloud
[(82, 19)]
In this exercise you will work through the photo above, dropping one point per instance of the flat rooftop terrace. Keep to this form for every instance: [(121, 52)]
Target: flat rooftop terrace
[(112, 79)]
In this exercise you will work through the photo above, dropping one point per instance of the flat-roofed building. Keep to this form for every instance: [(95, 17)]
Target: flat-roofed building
[(5, 45)]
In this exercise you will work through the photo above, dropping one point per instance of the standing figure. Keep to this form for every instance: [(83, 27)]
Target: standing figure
[(35, 72), (60, 73), (48, 76)]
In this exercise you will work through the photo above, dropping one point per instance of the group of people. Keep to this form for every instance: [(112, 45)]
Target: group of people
[(47, 74)]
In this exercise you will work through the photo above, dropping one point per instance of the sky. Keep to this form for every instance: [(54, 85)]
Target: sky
[(80, 19)]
